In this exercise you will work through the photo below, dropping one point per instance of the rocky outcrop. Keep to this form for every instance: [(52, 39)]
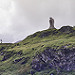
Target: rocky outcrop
[(61, 60), (62, 30), (66, 29)]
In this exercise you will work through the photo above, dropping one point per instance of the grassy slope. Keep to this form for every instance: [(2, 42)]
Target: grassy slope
[(30, 46)]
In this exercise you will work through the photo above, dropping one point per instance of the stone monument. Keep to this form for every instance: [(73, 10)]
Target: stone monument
[(51, 21)]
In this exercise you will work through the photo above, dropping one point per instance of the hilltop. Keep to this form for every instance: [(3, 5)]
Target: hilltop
[(47, 52)]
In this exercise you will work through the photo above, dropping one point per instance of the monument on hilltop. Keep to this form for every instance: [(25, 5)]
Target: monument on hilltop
[(51, 21)]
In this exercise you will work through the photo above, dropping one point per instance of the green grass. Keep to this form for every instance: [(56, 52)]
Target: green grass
[(30, 46)]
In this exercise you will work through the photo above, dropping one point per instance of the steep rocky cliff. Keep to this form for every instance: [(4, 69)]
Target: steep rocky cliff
[(60, 60)]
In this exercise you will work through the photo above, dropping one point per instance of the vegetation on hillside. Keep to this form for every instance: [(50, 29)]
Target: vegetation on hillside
[(16, 59)]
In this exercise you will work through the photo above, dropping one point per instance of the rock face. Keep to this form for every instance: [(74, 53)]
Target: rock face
[(61, 60)]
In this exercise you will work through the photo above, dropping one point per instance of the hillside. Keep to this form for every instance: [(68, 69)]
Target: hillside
[(48, 52)]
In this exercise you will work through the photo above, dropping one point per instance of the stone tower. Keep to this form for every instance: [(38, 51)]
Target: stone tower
[(51, 21)]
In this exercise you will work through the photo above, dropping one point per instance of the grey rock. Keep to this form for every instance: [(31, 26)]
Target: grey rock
[(54, 59)]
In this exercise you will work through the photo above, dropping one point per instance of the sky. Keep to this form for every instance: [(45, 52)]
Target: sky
[(20, 18)]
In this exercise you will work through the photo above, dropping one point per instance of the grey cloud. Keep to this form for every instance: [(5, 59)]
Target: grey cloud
[(37, 11), (33, 15)]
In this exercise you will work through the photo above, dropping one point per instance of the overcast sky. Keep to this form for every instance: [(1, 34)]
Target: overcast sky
[(20, 18)]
